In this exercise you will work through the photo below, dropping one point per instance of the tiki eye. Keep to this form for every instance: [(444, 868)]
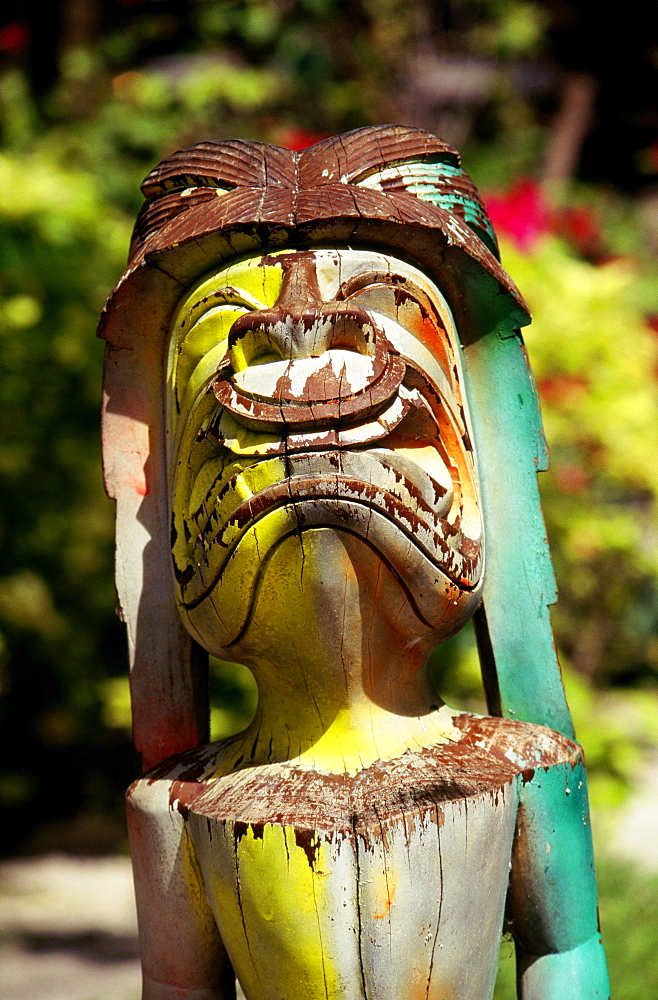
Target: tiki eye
[(226, 298), (399, 288), (367, 280)]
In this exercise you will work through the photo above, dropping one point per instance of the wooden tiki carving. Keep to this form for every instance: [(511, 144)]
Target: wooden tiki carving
[(322, 436)]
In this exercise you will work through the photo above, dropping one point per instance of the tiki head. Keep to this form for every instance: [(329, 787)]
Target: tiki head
[(289, 350)]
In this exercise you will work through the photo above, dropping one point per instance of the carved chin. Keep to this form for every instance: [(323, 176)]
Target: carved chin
[(378, 495)]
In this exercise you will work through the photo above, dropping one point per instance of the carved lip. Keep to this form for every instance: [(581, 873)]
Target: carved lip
[(320, 498), (331, 503), (267, 415), (229, 431)]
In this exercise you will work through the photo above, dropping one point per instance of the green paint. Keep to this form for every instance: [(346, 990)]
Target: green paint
[(579, 974), (559, 950), (431, 179), (558, 898), (519, 580), (553, 904)]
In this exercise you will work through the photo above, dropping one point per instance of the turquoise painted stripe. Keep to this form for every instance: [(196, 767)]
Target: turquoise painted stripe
[(427, 190), (579, 974), (557, 885), (519, 582), (553, 901), (425, 182)]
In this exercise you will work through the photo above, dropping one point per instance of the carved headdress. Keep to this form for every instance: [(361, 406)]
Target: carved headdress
[(384, 188)]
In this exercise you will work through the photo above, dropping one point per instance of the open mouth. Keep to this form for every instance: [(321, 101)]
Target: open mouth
[(401, 477)]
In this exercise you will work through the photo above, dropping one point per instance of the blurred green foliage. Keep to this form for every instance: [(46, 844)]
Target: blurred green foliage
[(595, 360), (70, 168)]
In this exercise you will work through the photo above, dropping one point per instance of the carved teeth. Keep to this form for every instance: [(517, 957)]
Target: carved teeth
[(242, 440), (362, 488), (406, 466), (332, 374)]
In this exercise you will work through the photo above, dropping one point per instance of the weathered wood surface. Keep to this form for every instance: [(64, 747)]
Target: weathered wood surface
[(515, 638), (322, 435), (386, 884)]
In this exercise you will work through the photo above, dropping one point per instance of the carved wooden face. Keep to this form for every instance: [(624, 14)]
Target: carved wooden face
[(315, 389)]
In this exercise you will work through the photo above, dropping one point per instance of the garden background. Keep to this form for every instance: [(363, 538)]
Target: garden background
[(554, 106)]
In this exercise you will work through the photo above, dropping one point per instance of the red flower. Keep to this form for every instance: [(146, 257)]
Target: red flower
[(522, 213), (652, 323), (571, 478), (298, 139), (651, 156), (14, 38), (562, 389)]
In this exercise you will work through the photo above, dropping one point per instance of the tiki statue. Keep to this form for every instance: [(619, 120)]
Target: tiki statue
[(322, 436)]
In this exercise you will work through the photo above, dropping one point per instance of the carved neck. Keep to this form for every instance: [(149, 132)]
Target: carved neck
[(339, 656)]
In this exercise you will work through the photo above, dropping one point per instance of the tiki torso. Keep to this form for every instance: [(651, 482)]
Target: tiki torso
[(366, 885)]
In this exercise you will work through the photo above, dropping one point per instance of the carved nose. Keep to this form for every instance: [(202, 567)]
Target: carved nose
[(324, 365)]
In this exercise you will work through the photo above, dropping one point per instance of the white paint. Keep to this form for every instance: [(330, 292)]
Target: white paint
[(353, 371)]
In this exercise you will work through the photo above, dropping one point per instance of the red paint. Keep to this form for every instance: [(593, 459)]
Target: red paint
[(434, 338), (139, 486), (388, 903)]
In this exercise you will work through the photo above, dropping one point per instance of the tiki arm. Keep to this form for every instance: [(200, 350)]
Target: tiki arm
[(552, 899), (183, 957)]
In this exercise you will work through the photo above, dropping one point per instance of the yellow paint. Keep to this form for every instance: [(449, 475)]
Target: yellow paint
[(316, 705), (283, 906), (198, 344), (204, 317), (239, 574), (243, 440), (384, 887), (357, 737), (209, 331)]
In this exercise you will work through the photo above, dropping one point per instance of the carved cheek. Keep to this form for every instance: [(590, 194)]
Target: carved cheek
[(434, 337)]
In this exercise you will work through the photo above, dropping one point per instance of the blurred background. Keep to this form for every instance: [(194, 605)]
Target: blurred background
[(554, 106)]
